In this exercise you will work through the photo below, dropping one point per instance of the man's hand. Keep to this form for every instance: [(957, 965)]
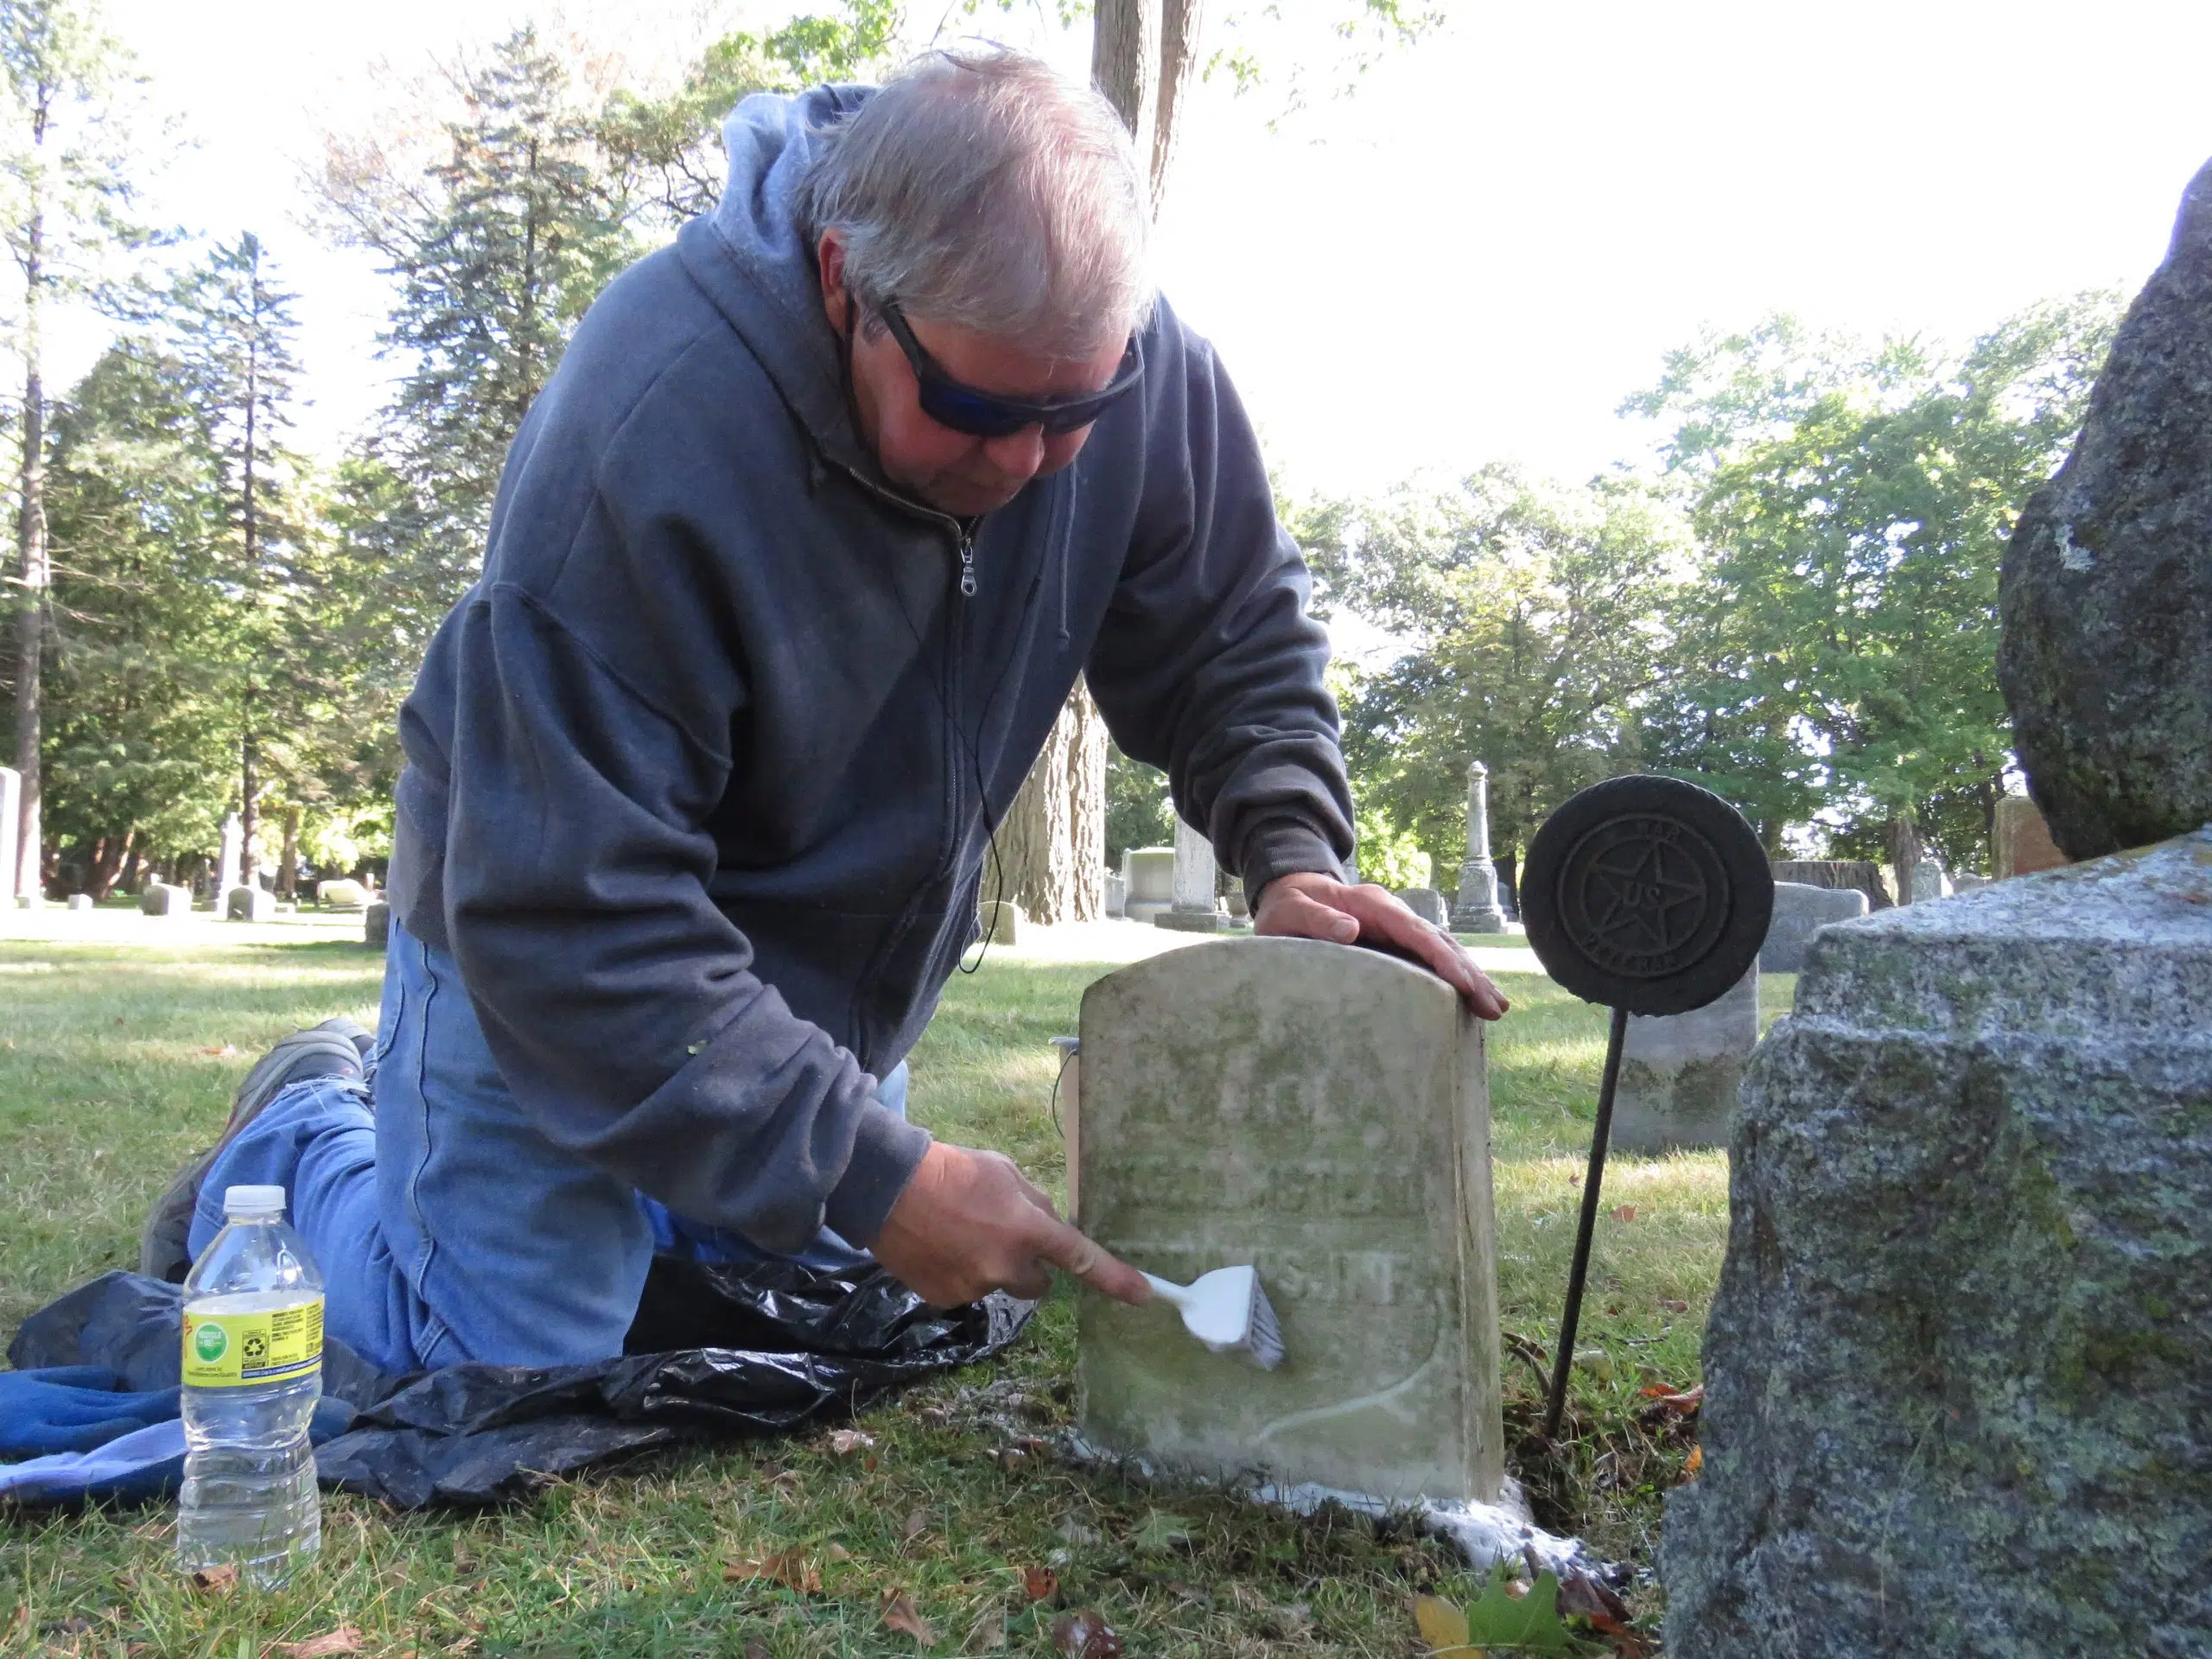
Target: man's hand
[(1306, 905), (969, 1222)]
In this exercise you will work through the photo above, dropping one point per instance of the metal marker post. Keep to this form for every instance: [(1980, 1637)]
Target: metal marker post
[(1600, 1133)]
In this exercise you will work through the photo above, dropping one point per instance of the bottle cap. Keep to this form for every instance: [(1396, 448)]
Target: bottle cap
[(253, 1201)]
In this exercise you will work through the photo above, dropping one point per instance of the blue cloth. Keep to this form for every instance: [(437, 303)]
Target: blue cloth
[(449, 1226), (701, 770), (71, 1409), (142, 1464)]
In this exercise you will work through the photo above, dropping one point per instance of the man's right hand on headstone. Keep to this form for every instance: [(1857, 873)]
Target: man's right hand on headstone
[(969, 1222)]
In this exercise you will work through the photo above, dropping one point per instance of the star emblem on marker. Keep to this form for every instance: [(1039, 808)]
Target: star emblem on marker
[(1638, 896)]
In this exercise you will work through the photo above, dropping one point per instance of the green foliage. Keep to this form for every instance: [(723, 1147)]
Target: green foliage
[(1534, 622), (1837, 653), (1387, 855), (1139, 811)]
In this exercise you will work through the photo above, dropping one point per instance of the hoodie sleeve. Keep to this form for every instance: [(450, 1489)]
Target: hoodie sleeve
[(1207, 666), (617, 998)]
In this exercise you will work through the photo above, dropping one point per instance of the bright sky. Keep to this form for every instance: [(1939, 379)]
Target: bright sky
[(1477, 256)]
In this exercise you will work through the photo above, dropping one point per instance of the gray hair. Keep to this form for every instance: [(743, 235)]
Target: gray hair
[(980, 188)]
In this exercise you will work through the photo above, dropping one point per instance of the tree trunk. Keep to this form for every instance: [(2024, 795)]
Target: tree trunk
[(1179, 55), (1052, 845), (1125, 41), (250, 790), (34, 572), (107, 864), (287, 861)]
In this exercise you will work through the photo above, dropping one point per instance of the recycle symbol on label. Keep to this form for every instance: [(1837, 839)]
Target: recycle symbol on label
[(255, 1349), (208, 1342)]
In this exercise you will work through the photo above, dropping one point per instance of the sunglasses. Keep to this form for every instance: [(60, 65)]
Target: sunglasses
[(987, 415)]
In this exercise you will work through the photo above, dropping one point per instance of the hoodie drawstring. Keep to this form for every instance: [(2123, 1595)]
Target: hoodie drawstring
[(1067, 542)]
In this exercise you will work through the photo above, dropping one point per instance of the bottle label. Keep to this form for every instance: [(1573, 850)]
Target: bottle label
[(237, 1350)]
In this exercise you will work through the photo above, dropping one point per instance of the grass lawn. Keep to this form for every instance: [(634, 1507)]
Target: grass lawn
[(117, 1062)]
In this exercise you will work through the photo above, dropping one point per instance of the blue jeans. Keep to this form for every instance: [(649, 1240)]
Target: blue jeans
[(446, 1227)]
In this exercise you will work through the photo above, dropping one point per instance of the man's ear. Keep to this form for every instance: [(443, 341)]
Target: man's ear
[(829, 266)]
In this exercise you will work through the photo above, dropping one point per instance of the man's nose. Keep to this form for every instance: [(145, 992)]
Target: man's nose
[(1018, 454)]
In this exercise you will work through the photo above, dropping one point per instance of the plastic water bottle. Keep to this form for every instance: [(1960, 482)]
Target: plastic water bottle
[(252, 1373)]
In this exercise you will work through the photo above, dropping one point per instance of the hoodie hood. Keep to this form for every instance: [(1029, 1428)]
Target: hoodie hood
[(757, 268)]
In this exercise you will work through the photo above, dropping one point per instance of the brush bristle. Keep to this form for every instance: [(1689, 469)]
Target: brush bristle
[(1264, 1338)]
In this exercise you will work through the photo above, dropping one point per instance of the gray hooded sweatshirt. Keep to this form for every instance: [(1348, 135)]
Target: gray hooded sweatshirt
[(700, 774)]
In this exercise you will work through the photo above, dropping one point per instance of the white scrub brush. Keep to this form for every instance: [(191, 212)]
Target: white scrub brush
[(1227, 1311)]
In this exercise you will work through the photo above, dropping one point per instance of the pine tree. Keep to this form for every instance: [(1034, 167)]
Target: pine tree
[(68, 172)]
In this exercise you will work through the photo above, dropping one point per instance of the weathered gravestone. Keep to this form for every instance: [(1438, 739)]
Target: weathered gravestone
[(1117, 895), (1321, 1112), (160, 898), (229, 860), (2023, 843), (1835, 873), (1425, 903), (1680, 1072), (342, 894), (376, 925), (250, 902), (1928, 883), (12, 805), (1959, 1370), (1194, 909), (1800, 912), (1149, 873), (999, 921), (2106, 590), (81, 902)]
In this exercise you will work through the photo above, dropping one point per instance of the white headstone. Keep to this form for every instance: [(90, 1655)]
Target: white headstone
[(160, 899), (250, 902), (1800, 912), (1117, 895), (1425, 903), (1680, 1072), (1194, 910), (1320, 1112), (81, 902), (228, 863), (1150, 874)]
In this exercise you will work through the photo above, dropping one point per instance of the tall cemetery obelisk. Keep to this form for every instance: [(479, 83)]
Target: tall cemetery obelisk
[(1476, 909)]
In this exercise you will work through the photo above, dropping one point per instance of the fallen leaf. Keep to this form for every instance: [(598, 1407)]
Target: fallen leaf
[(1674, 1306), (219, 1579), (756, 1648), (917, 1524), (1040, 1583), (1443, 1626), (1684, 1404), (223, 1053), (1161, 1533), (900, 1614), (1581, 1596), (1085, 1634), (1625, 1212), (344, 1639), (786, 1567), (1696, 1461), (1075, 1532), (844, 1442), (785, 1481)]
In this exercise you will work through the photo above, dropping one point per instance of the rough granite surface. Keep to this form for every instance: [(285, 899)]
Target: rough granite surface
[(1959, 1370), (2106, 591)]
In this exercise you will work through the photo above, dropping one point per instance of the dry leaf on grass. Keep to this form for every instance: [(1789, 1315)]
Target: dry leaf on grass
[(786, 1567), (1625, 1212), (345, 1639), (917, 1524), (900, 1614), (1696, 1462), (217, 1581), (1674, 1305), (756, 1648), (1684, 1404), (1040, 1583), (1085, 1634), (844, 1442)]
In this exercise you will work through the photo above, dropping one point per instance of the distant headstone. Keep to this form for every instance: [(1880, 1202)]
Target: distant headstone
[(1929, 882), (160, 899), (1320, 1112), (229, 861), (1958, 1369), (1149, 873), (12, 806), (376, 925), (2106, 590), (999, 921), (342, 895), (1117, 896), (1800, 912), (2023, 843), (1967, 881), (249, 903), (81, 902), (1836, 872), (1427, 904), (1194, 909), (1234, 900), (1680, 1072), (1476, 909), (30, 901)]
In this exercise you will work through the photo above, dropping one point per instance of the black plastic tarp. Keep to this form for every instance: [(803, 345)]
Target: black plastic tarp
[(717, 1351)]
